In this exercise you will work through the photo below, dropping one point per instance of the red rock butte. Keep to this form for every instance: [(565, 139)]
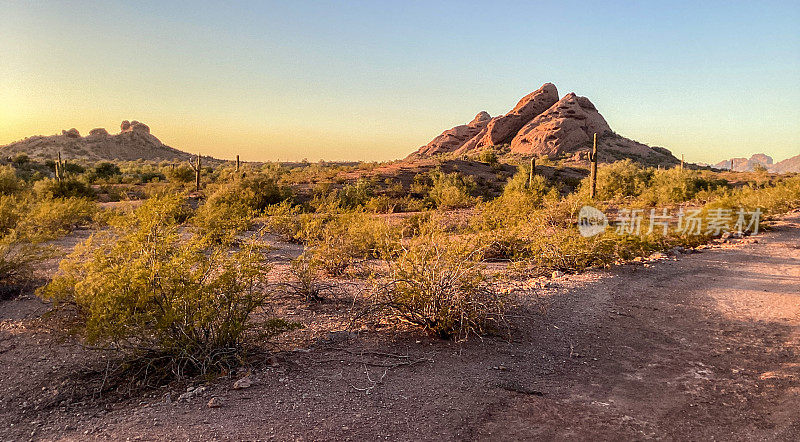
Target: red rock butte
[(541, 124)]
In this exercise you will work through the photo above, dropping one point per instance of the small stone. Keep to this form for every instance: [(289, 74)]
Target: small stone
[(557, 274), (243, 383), (215, 402)]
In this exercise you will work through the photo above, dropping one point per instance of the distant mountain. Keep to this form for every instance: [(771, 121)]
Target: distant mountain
[(749, 164), (542, 124), (788, 165), (133, 142), (745, 164)]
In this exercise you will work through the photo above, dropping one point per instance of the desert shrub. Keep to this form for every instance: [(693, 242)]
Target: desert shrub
[(283, 220), (43, 219), (17, 261), (150, 292), (73, 168), (451, 191), (779, 196), (11, 210), (436, 282), (106, 170), (65, 188), (21, 159), (9, 182), (152, 177), (307, 283), (620, 180), (336, 241), (224, 214), (181, 174), (356, 195), (674, 185)]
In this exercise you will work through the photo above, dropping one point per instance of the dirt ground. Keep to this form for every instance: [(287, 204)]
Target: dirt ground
[(702, 347)]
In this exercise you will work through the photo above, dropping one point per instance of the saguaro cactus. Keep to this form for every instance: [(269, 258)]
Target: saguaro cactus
[(196, 168), (681, 161), (59, 168), (593, 170), (237, 163), (532, 172)]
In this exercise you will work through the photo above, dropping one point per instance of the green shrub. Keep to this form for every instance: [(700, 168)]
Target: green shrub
[(65, 188), (106, 170), (47, 219), (148, 291), (9, 182), (336, 241), (283, 220), (181, 174), (451, 191), (356, 195)]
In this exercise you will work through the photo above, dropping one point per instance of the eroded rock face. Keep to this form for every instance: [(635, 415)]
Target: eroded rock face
[(72, 133), (98, 132), (564, 127), (452, 139), (502, 129), (134, 126)]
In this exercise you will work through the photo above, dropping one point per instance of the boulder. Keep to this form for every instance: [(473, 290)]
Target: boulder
[(134, 126), (98, 132), (564, 127), (72, 133)]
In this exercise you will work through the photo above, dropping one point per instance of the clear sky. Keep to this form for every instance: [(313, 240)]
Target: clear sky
[(374, 80)]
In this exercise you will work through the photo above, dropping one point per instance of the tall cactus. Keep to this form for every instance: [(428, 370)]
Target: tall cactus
[(593, 170), (59, 168), (681, 162), (237, 163), (532, 172), (196, 168)]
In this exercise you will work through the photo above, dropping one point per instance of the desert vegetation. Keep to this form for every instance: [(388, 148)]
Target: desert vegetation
[(178, 282)]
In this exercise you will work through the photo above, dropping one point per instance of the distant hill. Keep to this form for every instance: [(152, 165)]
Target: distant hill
[(133, 142), (749, 164), (541, 124), (788, 165)]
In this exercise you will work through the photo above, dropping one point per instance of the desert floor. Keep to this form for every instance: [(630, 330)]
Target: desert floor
[(703, 347)]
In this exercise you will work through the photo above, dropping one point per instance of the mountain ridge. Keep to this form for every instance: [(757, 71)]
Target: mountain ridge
[(133, 142)]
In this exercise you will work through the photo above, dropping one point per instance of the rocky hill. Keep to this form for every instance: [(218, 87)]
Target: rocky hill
[(786, 166), (749, 164), (541, 124), (133, 142)]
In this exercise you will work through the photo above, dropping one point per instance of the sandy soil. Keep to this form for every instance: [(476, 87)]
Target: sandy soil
[(705, 347)]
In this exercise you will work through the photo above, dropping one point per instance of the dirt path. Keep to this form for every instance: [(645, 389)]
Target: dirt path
[(704, 348)]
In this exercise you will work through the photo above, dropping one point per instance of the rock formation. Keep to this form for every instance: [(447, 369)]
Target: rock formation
[(98, 132), (788, 165), (502, 129), (568, 124), (745, 164), (452, 139), (72, 133), (133, 142), (541, 124)]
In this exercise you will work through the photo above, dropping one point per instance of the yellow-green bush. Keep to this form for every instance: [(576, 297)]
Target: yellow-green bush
[(451, 191), (148, 291), (435, 281), (9, 182)]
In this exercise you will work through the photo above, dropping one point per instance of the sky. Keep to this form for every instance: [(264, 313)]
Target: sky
[(374, 80)]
